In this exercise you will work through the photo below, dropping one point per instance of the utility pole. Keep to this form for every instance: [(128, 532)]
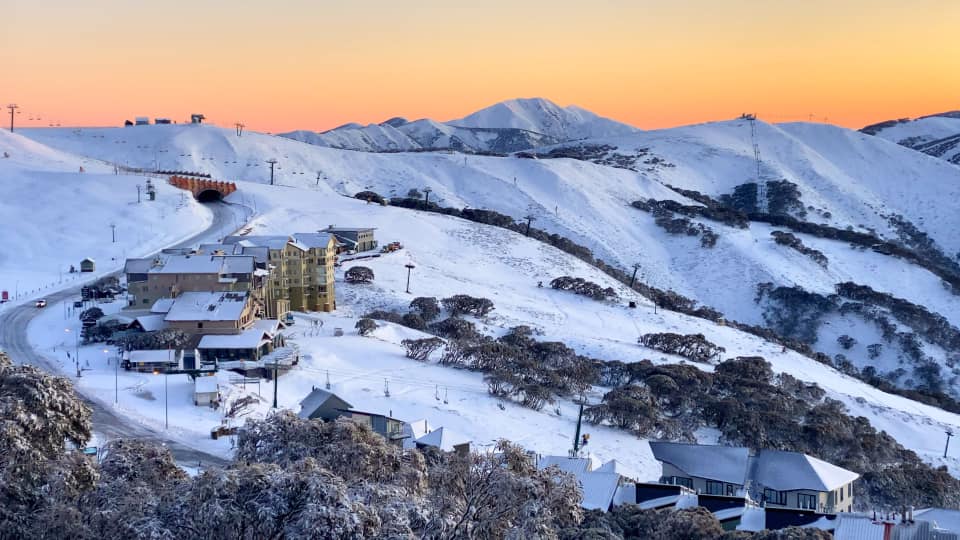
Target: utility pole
[(138, 193), (275, 364), (426, 195), (576, 436), (116, 379), (113, 229), (166, 401), (529, 219), (945, 448), (272, 162), (410, 267), (318, 178), (13, 107), (636, 267)]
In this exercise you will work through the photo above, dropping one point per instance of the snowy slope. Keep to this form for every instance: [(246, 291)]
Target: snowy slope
[(858, 179), (936, 135), (454, 256), (543, 116), (53, 216)]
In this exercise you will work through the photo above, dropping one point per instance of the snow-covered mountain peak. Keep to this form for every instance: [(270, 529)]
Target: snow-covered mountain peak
[(544, 116)]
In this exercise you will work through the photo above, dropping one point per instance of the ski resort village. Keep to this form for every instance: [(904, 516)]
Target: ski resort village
[(531, 322)]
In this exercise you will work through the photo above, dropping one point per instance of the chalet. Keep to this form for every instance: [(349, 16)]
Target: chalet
[(353, 238), (323, 404), (778, 479), (390, 428), (711, 469), (206, 391), (601, 485), (446, 440), (249, 346)]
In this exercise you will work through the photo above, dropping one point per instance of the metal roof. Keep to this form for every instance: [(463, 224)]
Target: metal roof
[(713, 462), (787, 471)]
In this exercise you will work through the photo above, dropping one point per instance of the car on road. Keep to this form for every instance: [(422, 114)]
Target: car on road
[(41, 303)]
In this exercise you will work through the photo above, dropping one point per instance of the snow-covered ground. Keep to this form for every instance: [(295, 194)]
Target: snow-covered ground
[(585, 201), (54, 216), (860, 180)]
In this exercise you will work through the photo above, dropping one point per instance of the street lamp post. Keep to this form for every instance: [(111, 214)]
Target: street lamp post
[(76, 350), (410, 267)]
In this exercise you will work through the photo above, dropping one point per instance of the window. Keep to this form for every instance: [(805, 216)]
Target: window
[(681, 481), (199, 325), (806, 501), (731, 490), (850, 490), (773, 496), (841, 493), (714, 488), (146, 300)]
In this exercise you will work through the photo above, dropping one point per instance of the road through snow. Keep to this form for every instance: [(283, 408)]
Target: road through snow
[(107, 423)]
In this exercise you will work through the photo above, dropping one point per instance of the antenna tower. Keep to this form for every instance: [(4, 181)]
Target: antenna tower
[(761, 185)]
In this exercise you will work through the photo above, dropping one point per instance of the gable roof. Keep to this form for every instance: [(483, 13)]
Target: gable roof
[(713, 462), (313, 240), (315, 399), (787, 471), (614, 466), (248, 339), (570, 465), (598, 489), (151, 323), (267, 241), (443, 439), (162, 305), (332, 229), (208, 306)]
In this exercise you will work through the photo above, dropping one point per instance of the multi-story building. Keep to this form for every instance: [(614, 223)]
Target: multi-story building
[(301, 270), (776, 478), (168, 275)]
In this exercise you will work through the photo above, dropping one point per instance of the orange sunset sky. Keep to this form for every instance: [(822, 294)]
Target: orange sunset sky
[(299, 64)]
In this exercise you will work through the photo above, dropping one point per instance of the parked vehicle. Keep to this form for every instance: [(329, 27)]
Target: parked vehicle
[(41, 303)]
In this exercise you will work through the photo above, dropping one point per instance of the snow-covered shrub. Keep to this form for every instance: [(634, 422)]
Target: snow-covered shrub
[(358, 274), (421, 349), (463, 304), (365, 326)]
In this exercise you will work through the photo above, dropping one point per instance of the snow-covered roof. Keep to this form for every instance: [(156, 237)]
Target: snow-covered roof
[(942, 517), (614, 466), (566, 464), (786, 471), (714, 462), (315, 399), (272, 242), (204, 385), (151, 323), (857, 527), (248, 339), (208, 306), (418, 428), (598, 489), (313, 240), (116, 317), (227, 249), (137, 266), (269, 326), (192, 264), (729, 513), (348, 229), (443, 439), (162, 305), (754, 518)]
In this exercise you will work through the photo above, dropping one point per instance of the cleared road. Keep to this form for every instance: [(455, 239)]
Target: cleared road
[(107, 424)]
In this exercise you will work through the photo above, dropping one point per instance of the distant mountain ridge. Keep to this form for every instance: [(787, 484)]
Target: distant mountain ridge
[(509, 126), (937, 135)]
